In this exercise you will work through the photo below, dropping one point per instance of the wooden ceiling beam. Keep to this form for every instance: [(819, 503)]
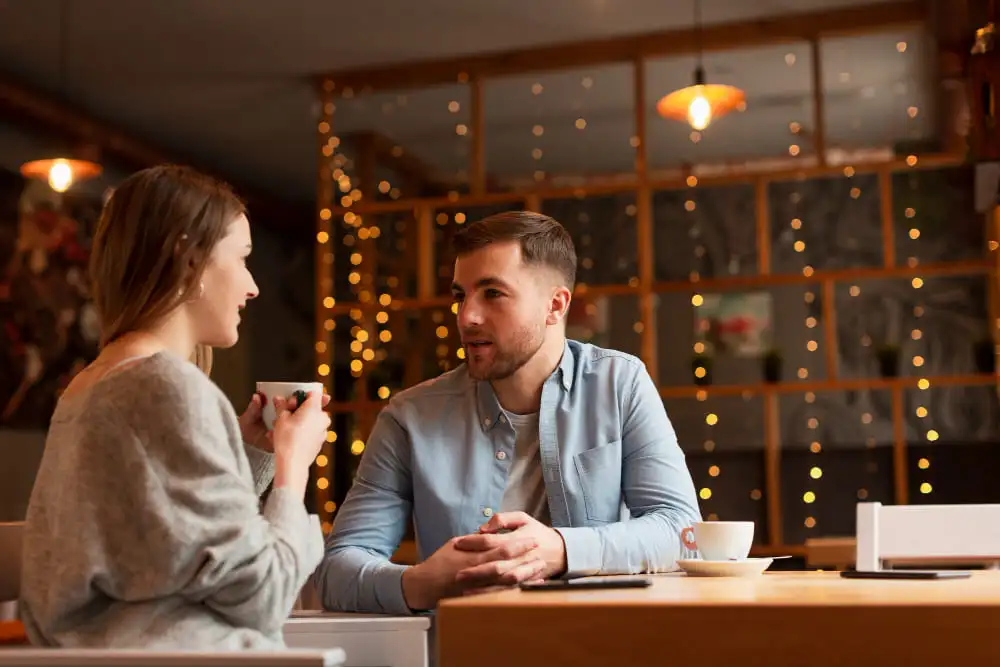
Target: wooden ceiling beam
[(787, 28), (48, 116), (42, 113)]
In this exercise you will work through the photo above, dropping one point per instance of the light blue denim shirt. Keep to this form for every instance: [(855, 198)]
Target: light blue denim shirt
[(618, 486)]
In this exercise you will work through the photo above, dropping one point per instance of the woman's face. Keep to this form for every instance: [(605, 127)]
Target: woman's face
[(215, 314)]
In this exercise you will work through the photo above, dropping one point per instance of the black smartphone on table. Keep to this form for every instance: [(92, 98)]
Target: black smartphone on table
[(907, 574), (586, 583)]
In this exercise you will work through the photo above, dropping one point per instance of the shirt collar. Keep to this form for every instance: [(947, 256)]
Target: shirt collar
[(489, 406)]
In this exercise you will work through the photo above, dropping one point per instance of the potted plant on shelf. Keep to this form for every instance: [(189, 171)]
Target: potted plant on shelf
[(888, 360), (701, 369), (771, 362), (985, 355)]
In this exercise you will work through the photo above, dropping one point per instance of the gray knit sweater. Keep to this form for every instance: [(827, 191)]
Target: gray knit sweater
[(144, 527)]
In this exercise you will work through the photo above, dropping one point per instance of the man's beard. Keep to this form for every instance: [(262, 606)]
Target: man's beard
[(507, 361)]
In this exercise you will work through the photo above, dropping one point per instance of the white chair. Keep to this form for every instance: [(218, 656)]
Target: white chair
[(942, 535), (370, 640), (62, 657)]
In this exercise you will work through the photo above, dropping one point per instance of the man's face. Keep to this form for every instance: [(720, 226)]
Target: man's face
[(503, 309)]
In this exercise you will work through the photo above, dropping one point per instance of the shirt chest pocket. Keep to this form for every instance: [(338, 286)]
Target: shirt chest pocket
[(600, 472)]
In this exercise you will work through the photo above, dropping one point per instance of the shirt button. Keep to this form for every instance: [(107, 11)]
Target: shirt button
[(501, 456), (501, 419), (488, 511), (486, 422)]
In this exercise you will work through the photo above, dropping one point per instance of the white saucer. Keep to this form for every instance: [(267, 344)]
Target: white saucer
[(748, 567)]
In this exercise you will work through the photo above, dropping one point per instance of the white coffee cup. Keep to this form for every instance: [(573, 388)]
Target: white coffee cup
[(272, 390), (720, 540)]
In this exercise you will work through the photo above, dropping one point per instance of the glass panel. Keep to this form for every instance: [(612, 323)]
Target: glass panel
[(716, 424), (876, 90), (914, 326), (341, 248), (952, 434), (606, 321), (346, 326), (741, 338), (369, 351), (554, 128), (706, 232), (411, 143), (956, 473), (723, 440), (352, 429), (777, 83), (447, 223), (825, 223), (836, 450), (737, 488), (374, 254), (433, 333), (935, 216), (604, 234), (285, 272)]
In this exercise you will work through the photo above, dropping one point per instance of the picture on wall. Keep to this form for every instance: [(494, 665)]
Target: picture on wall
[(49, 325), (735, 323)]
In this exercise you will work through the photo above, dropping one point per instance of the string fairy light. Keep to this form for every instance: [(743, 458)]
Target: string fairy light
[(701, 367), (809, 297), (911, 216), (815, 470), (809, 496), (328, 143), (711, 420)]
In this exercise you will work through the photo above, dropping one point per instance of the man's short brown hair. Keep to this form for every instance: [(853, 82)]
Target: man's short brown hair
[(543, 240)]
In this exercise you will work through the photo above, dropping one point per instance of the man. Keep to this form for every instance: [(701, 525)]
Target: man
[(520, 464)]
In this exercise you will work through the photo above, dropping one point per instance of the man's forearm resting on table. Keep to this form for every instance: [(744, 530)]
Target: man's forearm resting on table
[(650, 543), (354, 579)]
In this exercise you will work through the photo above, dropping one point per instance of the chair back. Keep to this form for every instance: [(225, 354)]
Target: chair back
[(10, 568), (66, 657), (914, 534)]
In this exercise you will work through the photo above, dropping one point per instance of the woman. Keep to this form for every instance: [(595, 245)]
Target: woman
[(144, 527)]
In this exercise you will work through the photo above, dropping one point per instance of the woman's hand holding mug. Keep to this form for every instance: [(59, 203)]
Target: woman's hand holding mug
[(298, 436)]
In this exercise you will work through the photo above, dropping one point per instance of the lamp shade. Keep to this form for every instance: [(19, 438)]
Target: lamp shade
[(701, 103), (62, 172)]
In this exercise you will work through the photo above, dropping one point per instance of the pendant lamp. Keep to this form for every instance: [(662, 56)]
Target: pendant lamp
[(701, 102), (62, 171)]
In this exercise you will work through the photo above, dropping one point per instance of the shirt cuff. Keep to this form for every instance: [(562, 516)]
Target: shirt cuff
[(583, 551), (389, 589)]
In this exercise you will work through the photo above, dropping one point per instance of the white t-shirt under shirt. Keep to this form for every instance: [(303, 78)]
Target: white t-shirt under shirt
[(525, 491)]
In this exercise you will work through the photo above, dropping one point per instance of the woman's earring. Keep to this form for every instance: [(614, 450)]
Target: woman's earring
[(201, 292)]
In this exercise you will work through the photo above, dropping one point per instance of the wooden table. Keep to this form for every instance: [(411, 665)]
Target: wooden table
[(780, 618)]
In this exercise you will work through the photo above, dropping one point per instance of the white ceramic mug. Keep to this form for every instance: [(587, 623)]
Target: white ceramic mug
[(720, 540), (270, 390)]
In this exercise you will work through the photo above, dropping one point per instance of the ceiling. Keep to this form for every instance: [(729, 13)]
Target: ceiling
[(225, 84)]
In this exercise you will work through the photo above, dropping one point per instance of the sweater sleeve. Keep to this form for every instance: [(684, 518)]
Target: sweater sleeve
[(198, 528), (261, 465)]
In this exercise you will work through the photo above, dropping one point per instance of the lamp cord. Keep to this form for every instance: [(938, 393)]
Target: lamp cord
[(63, 46), (699, 72)]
